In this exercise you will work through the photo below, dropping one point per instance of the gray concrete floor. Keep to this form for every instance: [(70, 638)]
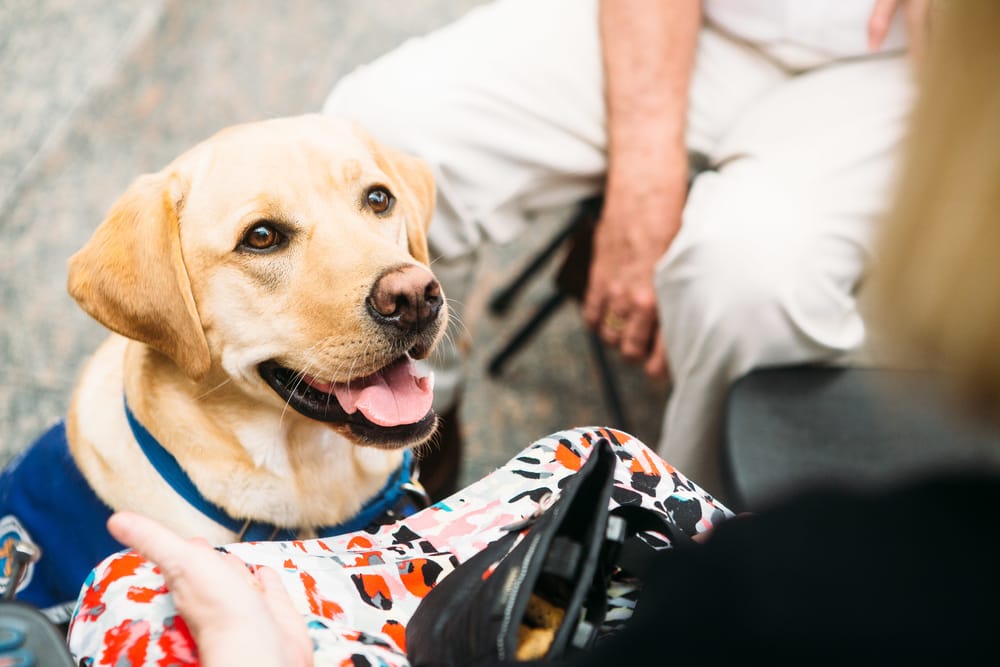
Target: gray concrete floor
[(94, 93)]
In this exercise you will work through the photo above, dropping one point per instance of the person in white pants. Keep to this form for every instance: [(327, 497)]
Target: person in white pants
[(800, 106)]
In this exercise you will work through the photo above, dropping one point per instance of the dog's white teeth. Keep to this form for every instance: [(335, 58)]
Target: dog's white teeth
[(325, 387), (426, 382), (422, 373)]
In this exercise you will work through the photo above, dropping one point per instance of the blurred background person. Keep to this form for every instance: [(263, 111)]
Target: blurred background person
[(800, 107)]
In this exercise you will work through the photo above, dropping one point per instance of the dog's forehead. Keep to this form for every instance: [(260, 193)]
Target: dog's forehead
[(283, 157)]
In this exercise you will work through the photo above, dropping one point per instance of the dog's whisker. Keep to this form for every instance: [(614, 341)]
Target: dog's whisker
[(429, 445), (453, 314), (215, 388), (354, 360), (455, 330), (313, 362), (451, 337), (456, 324), (298, 378)]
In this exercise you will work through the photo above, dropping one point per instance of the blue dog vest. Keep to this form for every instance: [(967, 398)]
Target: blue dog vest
[(44, 500)]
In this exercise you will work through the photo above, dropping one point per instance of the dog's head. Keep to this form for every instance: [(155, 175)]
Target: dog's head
[(289, 257)]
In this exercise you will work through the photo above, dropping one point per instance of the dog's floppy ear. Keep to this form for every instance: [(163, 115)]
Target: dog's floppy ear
[(130, 276), (418, 199)]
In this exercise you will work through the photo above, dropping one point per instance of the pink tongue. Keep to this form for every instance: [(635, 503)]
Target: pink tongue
[(390, 397)]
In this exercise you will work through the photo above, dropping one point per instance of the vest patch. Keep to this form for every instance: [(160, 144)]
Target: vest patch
[(12, 532)]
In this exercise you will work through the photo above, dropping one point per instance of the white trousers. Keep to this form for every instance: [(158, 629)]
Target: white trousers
[(507, 105)]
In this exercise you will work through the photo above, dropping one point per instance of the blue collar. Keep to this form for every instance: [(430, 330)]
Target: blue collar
[(394, 494)]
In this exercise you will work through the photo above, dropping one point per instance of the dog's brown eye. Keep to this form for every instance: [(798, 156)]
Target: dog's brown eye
[(262, 237), (379, 200)]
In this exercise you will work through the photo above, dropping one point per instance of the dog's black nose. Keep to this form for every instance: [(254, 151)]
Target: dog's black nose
[(408, 297)]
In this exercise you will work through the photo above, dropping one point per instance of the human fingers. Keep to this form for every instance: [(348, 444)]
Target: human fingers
[(212, 592), (879, 21), (286, 617), (605, 309), (241, 572), (203, 581), (703, 536), (638, 332), (657, 365), (613, 324), (594, 300), (230, 618), (153, 541), (192, 570), (598, 296)]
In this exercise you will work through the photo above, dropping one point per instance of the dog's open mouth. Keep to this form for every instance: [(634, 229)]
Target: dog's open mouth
[(391, 406)]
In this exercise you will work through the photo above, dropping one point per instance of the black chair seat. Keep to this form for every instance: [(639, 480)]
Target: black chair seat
[(790, 426)]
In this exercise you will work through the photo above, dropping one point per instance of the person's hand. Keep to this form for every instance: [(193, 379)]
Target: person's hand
[(237, 617), (648, 55), (703, 536), (916, 16), (635, 230)]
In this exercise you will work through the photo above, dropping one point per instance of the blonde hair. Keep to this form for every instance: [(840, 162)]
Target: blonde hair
[(937, 277)]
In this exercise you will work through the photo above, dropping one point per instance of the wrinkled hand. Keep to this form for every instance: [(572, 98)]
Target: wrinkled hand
[(237, 617), (917, 20), (634, 231)]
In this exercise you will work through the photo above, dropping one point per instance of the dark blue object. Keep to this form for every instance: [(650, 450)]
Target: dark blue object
[(44, 500)]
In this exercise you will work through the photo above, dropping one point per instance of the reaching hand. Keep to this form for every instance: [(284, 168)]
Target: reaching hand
[(237, 617), (916, 16)]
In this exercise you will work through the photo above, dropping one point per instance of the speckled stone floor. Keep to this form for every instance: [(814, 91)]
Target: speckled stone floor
[(94, 93)]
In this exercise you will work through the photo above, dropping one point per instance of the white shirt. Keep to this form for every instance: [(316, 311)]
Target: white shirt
[(802, 34)]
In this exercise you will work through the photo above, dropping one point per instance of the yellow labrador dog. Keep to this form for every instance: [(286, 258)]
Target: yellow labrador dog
[(269, 291)]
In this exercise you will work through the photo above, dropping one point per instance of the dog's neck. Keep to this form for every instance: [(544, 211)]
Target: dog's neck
[(397, 493), (251, 459)]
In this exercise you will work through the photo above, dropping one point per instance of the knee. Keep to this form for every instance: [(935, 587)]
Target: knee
[(753, 302)]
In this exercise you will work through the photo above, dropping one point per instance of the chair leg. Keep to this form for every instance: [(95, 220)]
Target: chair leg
[(609, 384), (571, 280), (502, 298), (524, 334)]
